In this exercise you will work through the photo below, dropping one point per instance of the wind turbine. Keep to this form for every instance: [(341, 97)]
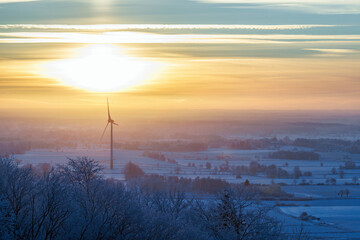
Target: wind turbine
[(111, 122)]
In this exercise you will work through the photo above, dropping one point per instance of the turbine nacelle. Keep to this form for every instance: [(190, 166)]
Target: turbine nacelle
[(112, 122)]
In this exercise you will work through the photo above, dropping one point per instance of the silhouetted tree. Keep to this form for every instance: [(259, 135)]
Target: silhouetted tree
[(341, 193), (297, 172), (331, 181), (81, 170), (208, 165), (247, 183), (235, 215), (355, 179), (132, 170), (341, 173), (73, 201), (350, 165)]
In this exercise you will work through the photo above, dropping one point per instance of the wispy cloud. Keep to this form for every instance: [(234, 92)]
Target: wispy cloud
[(126, 37), (318, 6), (15, 1), (331, 52), (141, 37), (284, 1), (335, 51), (114, 27)]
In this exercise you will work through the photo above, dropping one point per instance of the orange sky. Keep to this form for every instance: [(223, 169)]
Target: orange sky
[(154, 60), (190, 82)]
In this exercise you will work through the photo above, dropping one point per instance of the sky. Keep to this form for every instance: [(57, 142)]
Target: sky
[(62, 55)]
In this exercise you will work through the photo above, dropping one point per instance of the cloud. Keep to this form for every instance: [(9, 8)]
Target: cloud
[(117, 27), (331, 52), (284, 1), (126, 37), (174, 12), (317, 6), (143, 37), (15, 1), (334, 51)]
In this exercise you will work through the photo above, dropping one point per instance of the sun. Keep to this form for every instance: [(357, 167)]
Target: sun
[(102, 68)]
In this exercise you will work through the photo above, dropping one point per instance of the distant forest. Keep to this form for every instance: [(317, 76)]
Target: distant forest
[(14, 147), (298, 155), (329, 145)]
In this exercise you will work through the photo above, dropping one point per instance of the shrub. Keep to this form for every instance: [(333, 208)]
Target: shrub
[(132, 170)]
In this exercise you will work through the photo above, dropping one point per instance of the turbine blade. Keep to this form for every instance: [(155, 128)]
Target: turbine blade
[(115, 123), (108, 108), (104, 131)]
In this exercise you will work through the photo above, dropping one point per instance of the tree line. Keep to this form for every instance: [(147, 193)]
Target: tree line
[(74, 201)]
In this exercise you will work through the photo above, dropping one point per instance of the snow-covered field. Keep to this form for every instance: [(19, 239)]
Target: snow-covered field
[(323, 191), (101, 155), (337, 224), (339, 217), (321, 169)]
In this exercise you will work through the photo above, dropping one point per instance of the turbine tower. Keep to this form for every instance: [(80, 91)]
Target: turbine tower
[(111, 122)]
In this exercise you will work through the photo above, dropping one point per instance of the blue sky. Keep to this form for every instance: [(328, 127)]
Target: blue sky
[(181, 11)]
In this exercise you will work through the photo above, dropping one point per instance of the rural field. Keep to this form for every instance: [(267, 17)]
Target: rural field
[(331, 215)]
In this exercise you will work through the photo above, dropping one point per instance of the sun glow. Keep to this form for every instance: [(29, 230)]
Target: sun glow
[(102, 68)]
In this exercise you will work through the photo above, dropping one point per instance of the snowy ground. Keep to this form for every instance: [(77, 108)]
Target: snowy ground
[(234, 158), (339, 217), (335, 222)]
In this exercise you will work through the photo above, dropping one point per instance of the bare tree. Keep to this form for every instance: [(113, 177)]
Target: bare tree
[(81, 170), (74, 202), (37, 204), (132, 170), (341, 173), (52, 207), (19, 191), (7, 220), (355, 179), (341, 193), (300, 234), (168, 202), (236, 215)]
